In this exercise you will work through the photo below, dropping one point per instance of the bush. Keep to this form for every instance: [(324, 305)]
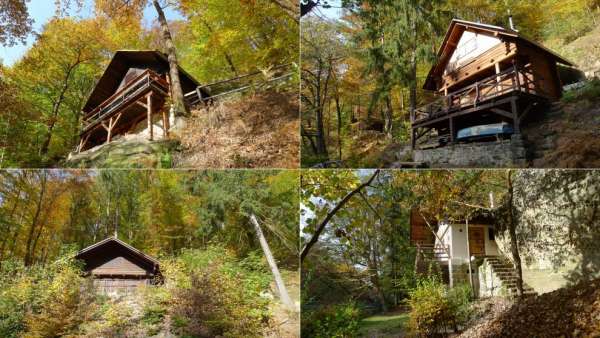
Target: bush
[(340, 320), (215, 294), (40, 301), (590, 91), (435, 308)]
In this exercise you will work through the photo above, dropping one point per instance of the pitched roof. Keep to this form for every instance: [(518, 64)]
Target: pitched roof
[(455, 31), (112, 247), (120, 64)]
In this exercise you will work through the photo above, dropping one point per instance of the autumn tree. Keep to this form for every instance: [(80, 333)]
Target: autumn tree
[(69, 52), (115, 8), (15, 23), (227, 39)]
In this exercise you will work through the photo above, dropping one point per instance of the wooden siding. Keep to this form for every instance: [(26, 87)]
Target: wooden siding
[(419, 231), (119, 266), (544, 69), (118, 285), (483, 62)]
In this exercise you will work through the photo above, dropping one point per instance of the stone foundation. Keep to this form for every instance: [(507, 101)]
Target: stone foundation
[(505, 153)]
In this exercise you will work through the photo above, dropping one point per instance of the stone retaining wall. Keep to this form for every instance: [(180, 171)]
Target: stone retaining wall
[(505, 153)]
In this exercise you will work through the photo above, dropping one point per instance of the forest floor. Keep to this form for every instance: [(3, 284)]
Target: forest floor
[(385, 325), (572, 311), (259, 130), (286, 323)]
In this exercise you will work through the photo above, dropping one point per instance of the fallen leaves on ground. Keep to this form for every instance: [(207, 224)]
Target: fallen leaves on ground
[(252, 131), (572, 311)]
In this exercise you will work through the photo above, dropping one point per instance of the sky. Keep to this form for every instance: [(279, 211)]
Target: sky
[(334, 12), (41, 11)]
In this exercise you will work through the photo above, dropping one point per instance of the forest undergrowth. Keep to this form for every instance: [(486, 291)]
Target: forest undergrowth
[(206, 293)]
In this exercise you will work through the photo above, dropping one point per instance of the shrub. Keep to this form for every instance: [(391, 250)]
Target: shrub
[(590, 91), (215, 294), (435, 308), (166, 160), (40, 301), (340, 320)]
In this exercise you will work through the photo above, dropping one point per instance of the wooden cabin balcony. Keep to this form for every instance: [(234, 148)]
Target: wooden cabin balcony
[(509, 82), (128, 95)]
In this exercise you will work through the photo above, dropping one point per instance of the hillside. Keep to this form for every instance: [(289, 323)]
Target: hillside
[(584, 51), (566, 312), (260, 130), (567, 134)]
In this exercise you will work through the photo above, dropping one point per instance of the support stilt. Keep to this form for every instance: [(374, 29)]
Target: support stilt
[(149, 110)]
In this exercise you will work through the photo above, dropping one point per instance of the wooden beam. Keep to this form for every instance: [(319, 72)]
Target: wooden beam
[(83, 141), (502, 112), (525, 112), (142, 104)]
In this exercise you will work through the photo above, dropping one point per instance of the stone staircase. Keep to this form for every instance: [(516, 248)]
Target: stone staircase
[(505, 271)]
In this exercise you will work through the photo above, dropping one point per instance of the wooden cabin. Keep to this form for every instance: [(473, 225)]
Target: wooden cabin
[(117, 267), (133, 89), (485, 74)]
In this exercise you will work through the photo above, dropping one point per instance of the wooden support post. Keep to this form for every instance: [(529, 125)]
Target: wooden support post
[(165, 120), (515, 113), (149, 110), (469, 255), (83, 141), (517, 75), (413, 138), (451, 130), (110, 126)]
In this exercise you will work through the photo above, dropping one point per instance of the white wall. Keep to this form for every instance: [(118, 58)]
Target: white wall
[(469, 46), (456, 236)]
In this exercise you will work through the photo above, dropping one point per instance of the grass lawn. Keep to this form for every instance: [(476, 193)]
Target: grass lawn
[(384, 325)]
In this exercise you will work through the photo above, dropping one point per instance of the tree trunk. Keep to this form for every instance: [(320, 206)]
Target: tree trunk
[(514, 248), (54, 117), (28, 254), (413, 72), (179, 106), (283, 294), (315, 238), (338, 109), (388, 117)]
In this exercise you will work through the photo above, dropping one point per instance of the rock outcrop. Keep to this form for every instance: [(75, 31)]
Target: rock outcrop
[(126, 153)]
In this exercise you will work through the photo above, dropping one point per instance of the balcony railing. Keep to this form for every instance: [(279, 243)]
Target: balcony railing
[(513, 79), (125, 96)]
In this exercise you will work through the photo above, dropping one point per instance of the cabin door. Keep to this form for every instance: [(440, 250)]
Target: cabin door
[(476, 241)]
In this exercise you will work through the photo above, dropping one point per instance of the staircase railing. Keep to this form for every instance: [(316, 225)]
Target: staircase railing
[(237, 84)]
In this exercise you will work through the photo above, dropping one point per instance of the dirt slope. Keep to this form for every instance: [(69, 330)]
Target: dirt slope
[(567, 137), (568, 312), (261, 130)]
